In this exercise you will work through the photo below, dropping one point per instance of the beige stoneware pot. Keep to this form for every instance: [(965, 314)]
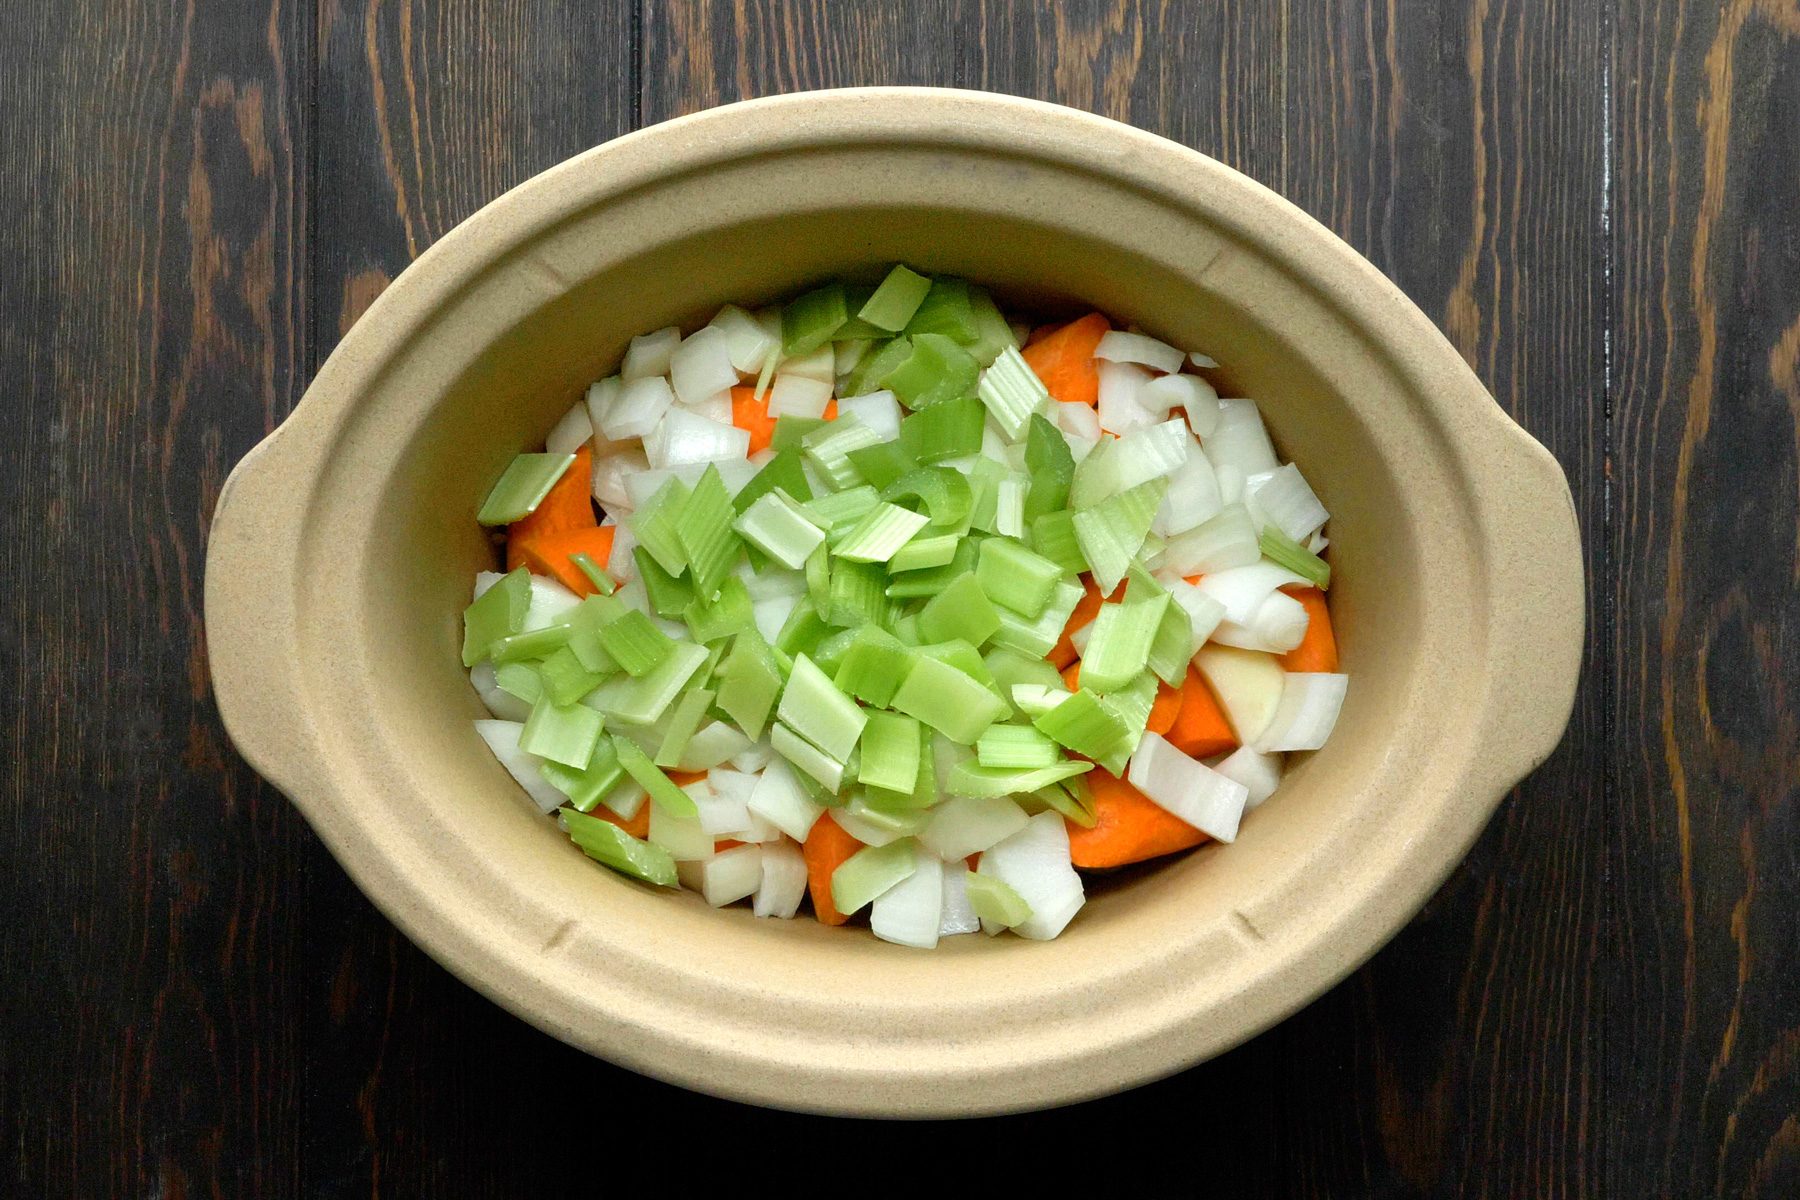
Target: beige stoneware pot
[(344, 545)]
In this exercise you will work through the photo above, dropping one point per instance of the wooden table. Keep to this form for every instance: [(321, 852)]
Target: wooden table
[(1598, 200)]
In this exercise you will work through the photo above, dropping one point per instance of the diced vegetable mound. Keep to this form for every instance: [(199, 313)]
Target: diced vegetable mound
[(904, 607)]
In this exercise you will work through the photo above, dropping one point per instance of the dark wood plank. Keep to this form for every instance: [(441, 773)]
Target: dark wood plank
[(1704, 986), (150, 268)]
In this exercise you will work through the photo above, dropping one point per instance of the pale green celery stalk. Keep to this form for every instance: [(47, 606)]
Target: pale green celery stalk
[(1171, 649), (497, 613), (828, 449), (663, 791), (1009, 509), (1009, 668), (813, 707), (1071, 798), (784, 472), (635, 643), (837, 509), (1053, 537), (1133, 703), (654, 526), (946, 311), (584, 562), (944, 493), (684, 722), (809, 320), (703, 676), (811, 762), (611, 846), (1111, 532), (564, 734), (789, 431), (707, 539), (993, 334), (729, 614), (670, 595), (882, 463), (896, 300), (874, 666), (1051, 467), (749, 681), (890, 753), (1012, 746), (527, 479), (869, 872), (584, 644), (995, 901), (520, 680), (906, 628), (924, 552), (984, 481), (586, 788), (948, 700), (1012, 393), (947, 429), (1015, 577), (1284, 551), (1119, 646), (565, 679), (872, 372), (780, 528), (973, 779), (643, 701), (1038, 637), (1083, 723), (830, 652), (537, 643), (881, 532), (962, 611), (932, 580), (1035, 699), (803, 630), (936, 372), (859, 595)]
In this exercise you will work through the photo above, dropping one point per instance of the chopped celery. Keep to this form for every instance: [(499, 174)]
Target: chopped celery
[(1119, 646), (944, 493), (497, 613), (684, 722), (670, 595), (1015, 746), (1051, 468), (749, 681), (1053, 537), (1036, 699), (933, 551), (780, 528), (828, 449), (1038, 636), (871, 871), (584, 562), (813, 707), (783, 471), (964, 657), (948, 700), (635, 643), (1133, 703), (949, 429), (643, 701), (984, 482), (883, 530), (527, 479), (1284, 551), (1072, 798), (586, 788), (890, 753), (561, 733), (937, 371), (729, 613), (1083, 723), (875, 367), (565, 679), (831, 651), (835, 510), (1009, 509), (791, 430), (1173, 645), (663, 791), (881, 463), (818, 578), (519, 680), (803, 630), (1012, 393), (809, 320), (945, 311), (1111, 532), (607, 844), (533, 643), (906, 628), (584, 646), (704, 530), (932, 580), (873, 666), (654, 526), (961, 610), (859, 594), (1015, 577), (811, 762), (993, 334), (896, 300), (996, 902), (1009, 668), (976, 780)]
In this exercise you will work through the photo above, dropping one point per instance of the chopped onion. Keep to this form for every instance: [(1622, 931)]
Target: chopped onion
[(958, 914), (1193, 395), (908, 914), (1203, 612), (1119, 409), (819, 365), (1189, 789), (725, 878), (1192, 498), (712, 744), (485, 580), (682, 438), (880, 411), (620, 564), (1243, 589), (746, 340), (1231, 482), (1278, 625), (502, 737), (1285, 500), (1120, 347), (798, 396), (611, 474), (649, 353), (854, 818), (1259, 773), (717, 408), (602, 394), (771, 614), (500, 702), (1241, 439), (783, 883), (753, 759), (549, 601), (1306, 714), (846, 355), (1247, 683), (571, 433), (782, 800), (641, 404), (1034, 862), (1077, 419), (1225, 540), (965, 825), (1204, 362)]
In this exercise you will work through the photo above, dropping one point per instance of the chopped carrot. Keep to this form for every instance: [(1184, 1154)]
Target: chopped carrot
[(683, 778), (638, 827), (826, 848), (1071, 676), (568, 506), (1317, 651), (1040, 332), (1086, 609), (1200, 728), (752, 416), (1064, 360), (1166, 710), (1128, 827), (724, 844), (553, 554)]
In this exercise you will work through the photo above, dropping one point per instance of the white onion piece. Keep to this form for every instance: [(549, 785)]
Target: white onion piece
[(746, 340), (1079, 447), (1231, 482), (1225, 540), (640, 405), (1241, 439), (1189, 789), (1317, 542), (1203, 361), (965, 825), (683, 438), (1259, 773), (1119, 409), (485, 580), (846, 355), (798, 396), (733, 472), (993, 443), (724, 878), (549, 600), (1278, 625), (771, 614), (1247, 683), (783, 883), (958, 915), (1287, 502), (752, 759), (611, 475), (1196, 398), (682, 837), (602, 394), (626, 798), (819, 365), (1035, 863), (648, 354), (1308, 711), (1203, 612), (908, 913), (502, 737), (859, 826), (712, 744), (1078, 419), (500, 702), (621, 564), (780, 799), (720, 812), (1120, 347), (701, 366), (880, 411), (717, 408), (1243, 589), (766, 585), (1192, 498), (572, 432)]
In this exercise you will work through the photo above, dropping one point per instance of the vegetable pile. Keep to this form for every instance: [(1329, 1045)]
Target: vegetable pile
[(897, 605)]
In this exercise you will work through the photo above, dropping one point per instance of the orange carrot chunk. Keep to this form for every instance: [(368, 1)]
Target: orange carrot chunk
[(568, 506), (638, 827), (1317, 651), (1200, 729), (1167, 708), (752, 416), (553, 554), (1128, 827), (826, 848), (1064, 359)]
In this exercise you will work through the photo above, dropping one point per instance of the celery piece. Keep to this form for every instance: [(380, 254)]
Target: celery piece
[(654, 526), (749, 681), (818, 578), (809, 320), (932, 580), (497, 613), (996, 902), (975, 780), (1015, 577), (883, 530), (565, 679), (869, 872), (1083, 723), (1053, 537), (873, 666), (669, 595), (1284, 551), (1038, 636), (780, 528), (1036, 699), (961, 610), (519, 680), (962, 655), (945, 312), (703, 528), (944, 494), (875, 367), (948, 700), (684, 722), (830, 652), (635, 643), (906, 629), (949, 429), (937, 371), (643, 701), (791, 430), (561, 733), (602, 582), (1172, 647), (812, 706), (607, 844), (933, 551), (1008, 668), (1009, 509), (881, 463), (803, 630), (584, 645), (859, 594), (585, 788), (828, 448), (810, 761), (1012, 393), (1015, 746), (1132, 703), (1119, 646), (527, 479), (783, 471), (728, 614), (1072, 798), (984, 484), (1111, 532), (663, 791), (837, 510), (890, 753), (993, 335), (1050, 466), (534, 643), (858, 330), (896, 300)]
